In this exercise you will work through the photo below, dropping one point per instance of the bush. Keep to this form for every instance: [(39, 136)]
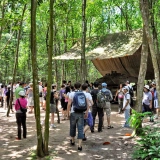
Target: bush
[(148, 146)]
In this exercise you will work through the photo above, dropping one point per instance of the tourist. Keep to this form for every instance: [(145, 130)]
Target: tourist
[(30, 98), (19, 88), (107, 108), (96, 109), (147, 101), (89, 121), (62, 99), (126, 105), (120, 96), (20, 116), (53, 109), (155, 100), (76, 118)]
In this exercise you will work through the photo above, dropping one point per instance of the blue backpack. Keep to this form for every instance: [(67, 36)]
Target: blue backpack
[(79, 102)]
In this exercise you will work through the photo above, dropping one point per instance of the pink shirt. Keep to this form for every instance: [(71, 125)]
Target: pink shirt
[(23, 103)]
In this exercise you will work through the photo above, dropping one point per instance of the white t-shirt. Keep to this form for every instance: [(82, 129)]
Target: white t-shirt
[(89, 97), (126, 97), (71, 95), (40, 88)]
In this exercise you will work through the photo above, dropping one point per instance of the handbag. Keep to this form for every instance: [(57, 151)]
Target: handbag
[(23, 110), (90, 119)]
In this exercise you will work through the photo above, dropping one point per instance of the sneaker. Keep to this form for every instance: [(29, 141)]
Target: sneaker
[(80, 148), (18, 138), (53, 126)]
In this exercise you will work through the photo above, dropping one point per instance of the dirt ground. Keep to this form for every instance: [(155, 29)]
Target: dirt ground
[(120, 148)]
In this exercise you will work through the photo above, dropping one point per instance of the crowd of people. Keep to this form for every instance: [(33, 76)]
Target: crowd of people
[(80, 104)]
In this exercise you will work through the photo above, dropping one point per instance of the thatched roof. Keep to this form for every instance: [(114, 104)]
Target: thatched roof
[(106, 47), (120, 52)]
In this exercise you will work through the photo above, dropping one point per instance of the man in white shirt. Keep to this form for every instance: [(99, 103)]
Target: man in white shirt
[(126, 106), (76, 118)]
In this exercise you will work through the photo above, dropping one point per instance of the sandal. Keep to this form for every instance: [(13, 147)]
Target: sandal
[(109, 127)]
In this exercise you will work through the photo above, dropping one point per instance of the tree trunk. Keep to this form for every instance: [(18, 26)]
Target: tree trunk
[(50, 51), (154, 31), (144, 8), (35, 78), (142, 72), (83, 42), (2, 17), (16, 61)]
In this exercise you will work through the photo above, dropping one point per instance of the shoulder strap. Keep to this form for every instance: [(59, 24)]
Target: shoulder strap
[(19, 103)]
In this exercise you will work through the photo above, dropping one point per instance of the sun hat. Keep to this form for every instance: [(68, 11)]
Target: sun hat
[(104, 84), (22, 93), (154, 83), (146, 86)]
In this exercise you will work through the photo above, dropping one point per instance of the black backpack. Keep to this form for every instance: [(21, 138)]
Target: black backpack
[(131, 91)]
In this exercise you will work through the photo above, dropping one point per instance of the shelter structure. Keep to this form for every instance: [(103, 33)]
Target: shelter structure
[(116, 55)]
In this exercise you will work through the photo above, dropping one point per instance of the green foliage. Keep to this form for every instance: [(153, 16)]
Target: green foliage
[(102, 17), (136, 118), (148, 146)]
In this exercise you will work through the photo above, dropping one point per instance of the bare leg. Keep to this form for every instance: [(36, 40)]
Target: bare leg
[(52, 118), (108, 120), (80, 143)]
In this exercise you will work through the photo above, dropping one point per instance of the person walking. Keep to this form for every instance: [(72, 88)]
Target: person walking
[(126, 105), (77, 118), (19, 88), (20, 116), (155, 100), (120, 96), (53, 109), (30, 97), (89, 121), (107, 97), (147, 101), (96, 109)]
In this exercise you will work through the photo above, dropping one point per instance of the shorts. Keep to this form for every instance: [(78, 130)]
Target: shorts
[(108, 109), (52, 108), (156, 103), (40, 99), (30, 101)]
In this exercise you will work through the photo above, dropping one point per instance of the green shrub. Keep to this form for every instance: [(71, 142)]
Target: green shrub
[(148, 146), (136, 119)]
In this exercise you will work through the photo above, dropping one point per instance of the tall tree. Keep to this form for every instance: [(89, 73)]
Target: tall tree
[(83, 42), (50, 53), (16, 60), (40, 146), (144, 5)]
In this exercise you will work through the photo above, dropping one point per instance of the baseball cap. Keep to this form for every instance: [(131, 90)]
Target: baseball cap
[(146, 86), (154, 83), (104, 84)]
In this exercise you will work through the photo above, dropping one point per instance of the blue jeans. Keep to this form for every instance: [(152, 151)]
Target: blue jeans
[(126, 116), (77, 119)]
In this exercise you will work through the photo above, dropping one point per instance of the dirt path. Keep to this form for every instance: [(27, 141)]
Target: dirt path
[(60, 148)]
